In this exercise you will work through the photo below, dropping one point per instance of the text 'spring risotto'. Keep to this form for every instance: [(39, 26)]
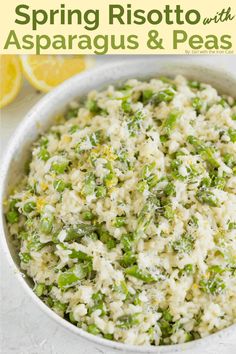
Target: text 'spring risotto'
[(126, 220)]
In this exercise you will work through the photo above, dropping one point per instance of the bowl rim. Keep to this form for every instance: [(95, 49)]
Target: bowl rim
[(99, 70)]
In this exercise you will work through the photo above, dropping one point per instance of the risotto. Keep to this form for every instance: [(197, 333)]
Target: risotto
[(126, 218)]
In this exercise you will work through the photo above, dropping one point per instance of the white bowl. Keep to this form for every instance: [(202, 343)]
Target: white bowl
[(41, 117)]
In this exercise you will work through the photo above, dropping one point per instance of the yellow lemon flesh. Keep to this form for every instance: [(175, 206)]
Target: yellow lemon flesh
[(45, 72), (10, 78)]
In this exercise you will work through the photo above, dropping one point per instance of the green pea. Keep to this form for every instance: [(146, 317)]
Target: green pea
[(49, 301), (106, 238), (166, 315), (34, 243), (12, 216), (188, 337), (188, 268), (71, 318), (59, 185), (59, 306), (46, 225), (111, 243), (12, 205), (166, 329), (28, 207), (93, 329), (71, 276), (25, 257), (87, 215), (194, 84), (108, 336), (39, 289)]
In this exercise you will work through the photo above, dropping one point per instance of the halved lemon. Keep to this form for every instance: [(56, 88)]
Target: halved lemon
[(47, 71), (10, 78)]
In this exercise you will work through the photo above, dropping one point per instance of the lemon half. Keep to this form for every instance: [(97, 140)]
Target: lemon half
[(45, 72), (10, 78)]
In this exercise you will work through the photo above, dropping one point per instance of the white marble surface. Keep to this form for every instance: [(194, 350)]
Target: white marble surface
[(24, 329)]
